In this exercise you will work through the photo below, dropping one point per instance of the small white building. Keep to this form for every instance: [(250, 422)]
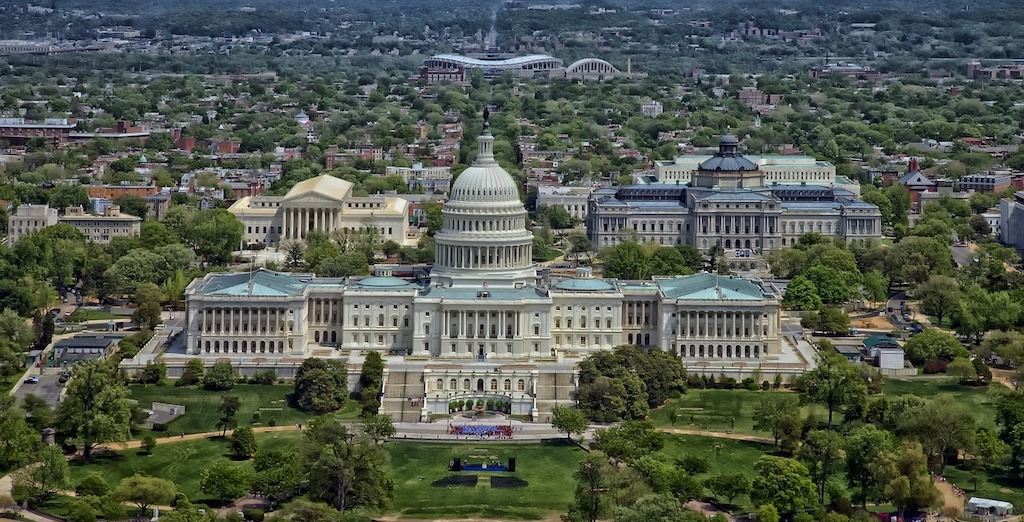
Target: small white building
[(992, 217), (652, 108), (885, 351), (988, 507)]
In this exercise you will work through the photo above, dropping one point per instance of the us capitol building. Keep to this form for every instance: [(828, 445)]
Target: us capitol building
[(487, 326)]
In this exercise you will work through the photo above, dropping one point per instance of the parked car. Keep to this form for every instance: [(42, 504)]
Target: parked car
[(32, 380)]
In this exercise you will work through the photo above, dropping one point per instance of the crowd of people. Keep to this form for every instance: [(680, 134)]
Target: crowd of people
[(483, 431), (956, 490)]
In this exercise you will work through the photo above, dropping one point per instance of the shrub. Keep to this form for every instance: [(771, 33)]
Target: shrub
[(81, 510), (257, 416), (179, 500), (695, 381), (729, 383), (272, 422), (112, 509), (93, 485), (777, 382), (253, 515), (765, 384), (159, 427), (148, 443), (194, 371), (935, 366), (749, 384), (264, 377)]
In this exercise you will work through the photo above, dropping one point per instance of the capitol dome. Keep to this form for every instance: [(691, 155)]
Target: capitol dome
[(485, 181), (484, 240)]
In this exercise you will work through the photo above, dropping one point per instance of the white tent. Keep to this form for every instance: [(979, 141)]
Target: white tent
[(985, 506)]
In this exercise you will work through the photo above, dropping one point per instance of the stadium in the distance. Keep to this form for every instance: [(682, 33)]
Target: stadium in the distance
[(453, 67)]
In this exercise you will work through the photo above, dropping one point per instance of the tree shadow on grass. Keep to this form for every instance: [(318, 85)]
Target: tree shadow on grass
[(466, 481)]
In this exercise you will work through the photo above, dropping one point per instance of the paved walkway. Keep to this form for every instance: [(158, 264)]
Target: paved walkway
[(722, 435)]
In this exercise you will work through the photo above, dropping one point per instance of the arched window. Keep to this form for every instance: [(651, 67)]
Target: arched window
[(583, 321), (494, 384), (521, 385), (507, 385), (440, 384), (380, 320), (453, 384)]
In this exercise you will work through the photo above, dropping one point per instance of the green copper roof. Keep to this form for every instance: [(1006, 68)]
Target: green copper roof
[(584, 285), (382, 282), (261, 283), (710, 287)]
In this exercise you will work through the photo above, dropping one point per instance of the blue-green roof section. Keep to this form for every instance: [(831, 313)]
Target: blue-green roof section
[(261, 283), (710, 287), (382, 282), (584, 285)]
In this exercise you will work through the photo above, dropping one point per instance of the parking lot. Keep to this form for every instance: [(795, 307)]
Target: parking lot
[(48, 388)]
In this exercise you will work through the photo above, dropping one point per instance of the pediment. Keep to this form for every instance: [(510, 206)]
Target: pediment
[(312, 197)]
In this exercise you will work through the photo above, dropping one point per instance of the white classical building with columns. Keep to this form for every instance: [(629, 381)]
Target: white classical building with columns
[(486, 326), (322, 203)]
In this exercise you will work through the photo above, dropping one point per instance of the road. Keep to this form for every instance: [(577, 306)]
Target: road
[(962, 255), (48, 388), (893, 310)]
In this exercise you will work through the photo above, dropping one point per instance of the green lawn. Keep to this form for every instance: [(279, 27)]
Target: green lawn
[(714, 410), (730, 456), (179, 462), (202, 407), (980, 400), (996, 487), (83, 314), (547, 468)]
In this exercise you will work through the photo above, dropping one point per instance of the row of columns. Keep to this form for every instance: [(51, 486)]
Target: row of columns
[(860, 226), (245, 321), (298, 221), (639, 313), (734, 325), (733, 224), (460, 319), (324, 311), (454, 256)]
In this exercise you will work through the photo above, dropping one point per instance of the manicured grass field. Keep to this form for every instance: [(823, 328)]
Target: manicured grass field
[(83, 314), (179, 462), (723, 456), (980, 400), (547, 468), (714, 410), (202, 407), (997, 488)]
